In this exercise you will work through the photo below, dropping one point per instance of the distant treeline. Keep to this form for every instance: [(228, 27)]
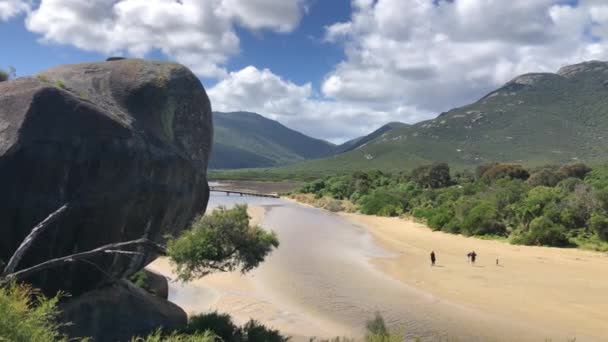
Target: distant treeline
[(552, 205)]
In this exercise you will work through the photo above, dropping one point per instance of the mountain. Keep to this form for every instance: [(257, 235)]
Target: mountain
[(534, 119), (249, 140), (362, 141)]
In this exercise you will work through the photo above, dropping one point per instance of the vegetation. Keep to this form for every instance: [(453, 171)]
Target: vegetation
[(27, 316), (221, 241), (550, 205), (222, 326)]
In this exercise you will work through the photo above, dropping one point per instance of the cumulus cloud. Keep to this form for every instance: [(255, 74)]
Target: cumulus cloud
[(198, 33), (300, 107), (408, 60), (11, 8), (437, 54)]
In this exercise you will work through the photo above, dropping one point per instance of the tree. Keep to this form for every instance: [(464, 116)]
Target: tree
[(545, 232), (512, 171), (577, 170), (599, 224), (545, 177), (482, 219), (222, 241), (432, 176)]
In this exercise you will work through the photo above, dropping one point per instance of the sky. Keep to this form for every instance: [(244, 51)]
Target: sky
[(332, 69)]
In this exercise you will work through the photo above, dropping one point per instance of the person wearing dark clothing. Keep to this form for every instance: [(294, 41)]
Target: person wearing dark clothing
[(433, 259), (473, 256), (469, 257)]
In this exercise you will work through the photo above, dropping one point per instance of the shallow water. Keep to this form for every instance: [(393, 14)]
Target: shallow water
[(322, 270)]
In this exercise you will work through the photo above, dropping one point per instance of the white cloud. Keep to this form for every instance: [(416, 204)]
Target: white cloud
[(299, 107), (198, 33), (434, 55), (11, 8)]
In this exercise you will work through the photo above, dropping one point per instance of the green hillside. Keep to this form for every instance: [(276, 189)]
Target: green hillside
[(534, 119), (249, 140)]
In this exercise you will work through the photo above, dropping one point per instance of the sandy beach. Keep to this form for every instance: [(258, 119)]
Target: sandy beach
[(562, 289), (551, 291)]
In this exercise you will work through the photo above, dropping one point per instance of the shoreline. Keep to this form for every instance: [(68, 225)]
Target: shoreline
[(243, 298), (556, 293)]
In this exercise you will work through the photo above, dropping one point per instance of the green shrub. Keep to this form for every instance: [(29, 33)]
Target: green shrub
[(3, 76), (599, 225), (220, 324), (498, 171), (482, 219), (381, 202), (26, 315), (220, 242), (432, 176), (545, 232), (253, 331), (158, 336)]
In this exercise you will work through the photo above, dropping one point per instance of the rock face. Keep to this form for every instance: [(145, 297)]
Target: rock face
[(118, 312), (124, 142), (156, 284)]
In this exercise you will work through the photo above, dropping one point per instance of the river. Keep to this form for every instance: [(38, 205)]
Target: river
[(320, 282)]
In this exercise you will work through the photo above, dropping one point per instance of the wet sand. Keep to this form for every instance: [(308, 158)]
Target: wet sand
[(329, 276)]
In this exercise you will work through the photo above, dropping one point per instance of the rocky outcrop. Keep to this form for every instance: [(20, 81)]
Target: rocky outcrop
[(124, 142), (155, 283), (119, 312)]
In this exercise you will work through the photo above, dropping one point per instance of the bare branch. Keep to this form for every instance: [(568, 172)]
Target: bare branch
[(27, 242), (110, 248)]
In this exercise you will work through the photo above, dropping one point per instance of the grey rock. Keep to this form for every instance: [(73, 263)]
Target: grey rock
[(118, 312), (126, 143)]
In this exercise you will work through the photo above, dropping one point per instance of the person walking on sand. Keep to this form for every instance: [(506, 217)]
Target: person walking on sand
[(433, 259), (469, 257), (473, 257)]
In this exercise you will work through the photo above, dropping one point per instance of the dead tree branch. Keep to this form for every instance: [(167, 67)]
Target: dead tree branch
[(27, 242), (113, 248)]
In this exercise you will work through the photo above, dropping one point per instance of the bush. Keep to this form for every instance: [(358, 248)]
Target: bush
[(158, 336), (222, 241), (599, 224), (253, 331), (381, 202), (4, 76), (26, 315), (512, 171), (545, 177), (482, 219), (577, 170), (543, 232), (432, 176), (220, 324)]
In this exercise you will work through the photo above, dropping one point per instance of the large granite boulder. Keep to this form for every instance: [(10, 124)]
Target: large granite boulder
[(118, 312), (124, 142)]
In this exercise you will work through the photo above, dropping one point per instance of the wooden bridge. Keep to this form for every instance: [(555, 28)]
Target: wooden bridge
[(242, 192)]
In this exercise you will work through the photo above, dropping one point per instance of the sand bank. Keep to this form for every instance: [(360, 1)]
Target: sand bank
[(244, 298)]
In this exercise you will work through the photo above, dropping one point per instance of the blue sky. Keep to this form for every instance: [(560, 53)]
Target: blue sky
[(333, 69), (300, 56)]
